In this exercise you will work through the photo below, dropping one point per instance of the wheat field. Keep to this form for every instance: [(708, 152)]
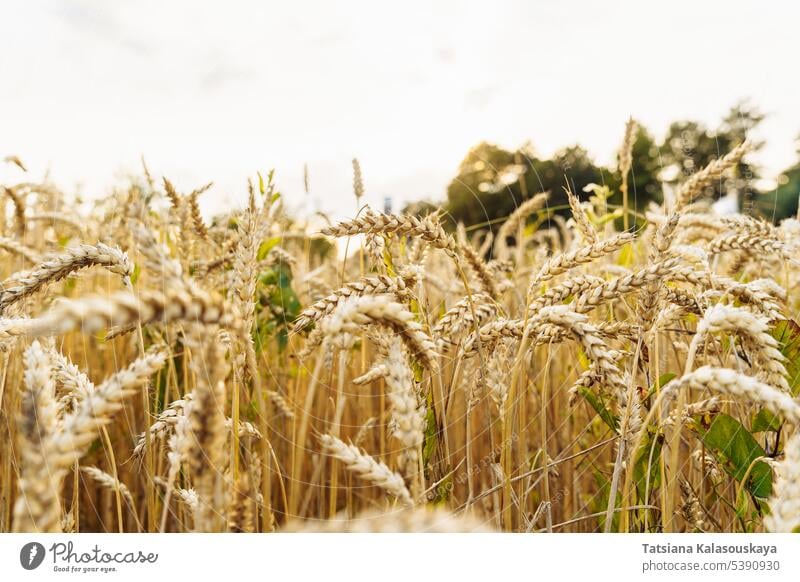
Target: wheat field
[(261, 373)]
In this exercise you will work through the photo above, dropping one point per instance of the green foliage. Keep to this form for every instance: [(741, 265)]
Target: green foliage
[(266, 247), (646, 473), (663, 380), (736, 450), (137, 271), (599, 406), (787, 332), (277, 308), (599, 502), (782, 202), (431, 432), (765, 421)]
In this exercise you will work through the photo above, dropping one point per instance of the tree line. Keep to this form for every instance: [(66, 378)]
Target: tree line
[(492, 181)]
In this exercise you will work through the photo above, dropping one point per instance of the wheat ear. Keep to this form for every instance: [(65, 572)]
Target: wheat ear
[(367, 467), (698, 181), (403, 225), (15, 247), (357, 312), (585, 227), (81, 427), (784, 504), (731, 382), (206, 434), (566, 261), (37, 508), (724, 318), (398, 286), (512, 223), (94, 313), (408, 416), (23, 284)]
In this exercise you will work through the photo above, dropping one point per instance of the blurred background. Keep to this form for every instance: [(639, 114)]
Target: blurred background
[(474, 105)]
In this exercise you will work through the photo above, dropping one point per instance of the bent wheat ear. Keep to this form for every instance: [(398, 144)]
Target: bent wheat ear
[(374, 373), (403, 225), (730, 382), (367, 468), (19, 209), (566, 261), (109, 482), (724, 318), (460, 317), (21, 285), (379, 285), (357, 312), (81, 427), (512, 223), (93, 314), (15, 247), (692, 187)]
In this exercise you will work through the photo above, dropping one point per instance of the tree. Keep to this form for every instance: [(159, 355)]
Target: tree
[(783, 202)]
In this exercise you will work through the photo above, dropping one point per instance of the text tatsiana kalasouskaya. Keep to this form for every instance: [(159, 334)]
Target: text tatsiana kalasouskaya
[(701, 548)]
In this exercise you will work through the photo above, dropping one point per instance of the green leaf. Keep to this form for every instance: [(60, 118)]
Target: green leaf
[(429, 443), (266, 247), (663, 380), (599, 502), (764, 421), (648, 456), (787, 332), (285, 298), (137, 270), (442, 491), (736, 449), (625, 258), (599, 407), (278, 306)]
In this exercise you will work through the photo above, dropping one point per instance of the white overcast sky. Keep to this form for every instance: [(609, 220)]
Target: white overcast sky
[(218, 90)]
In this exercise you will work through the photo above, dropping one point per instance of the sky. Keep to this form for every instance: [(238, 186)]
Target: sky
[(215, 91)]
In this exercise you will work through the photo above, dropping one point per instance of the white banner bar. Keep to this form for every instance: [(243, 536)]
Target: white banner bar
[(401, 557)]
